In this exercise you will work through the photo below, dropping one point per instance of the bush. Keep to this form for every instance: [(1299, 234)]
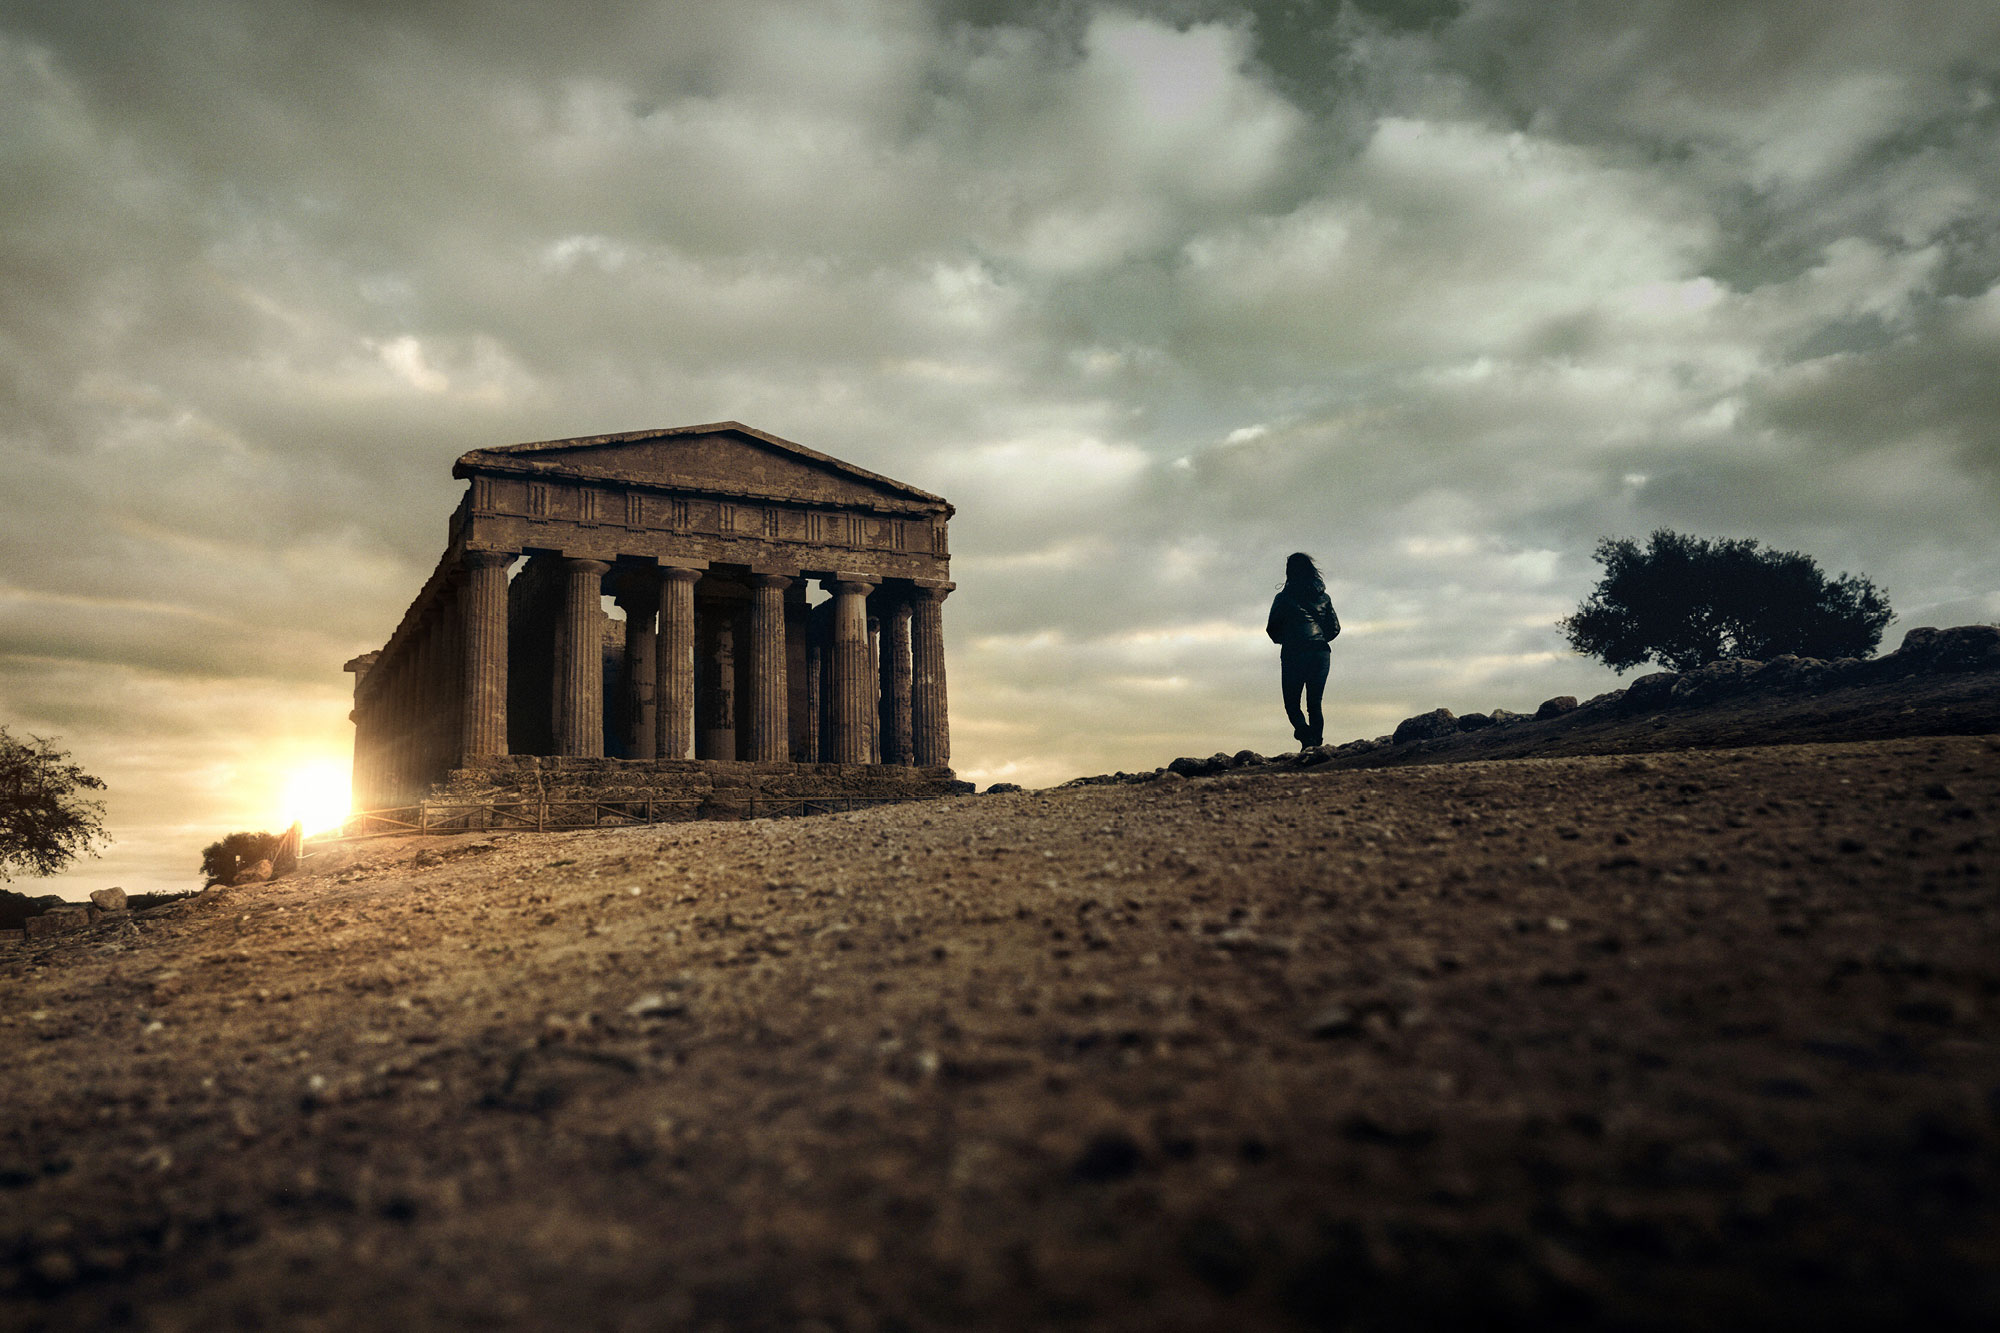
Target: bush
[(44, 821), (221, 861), (1684, 602)]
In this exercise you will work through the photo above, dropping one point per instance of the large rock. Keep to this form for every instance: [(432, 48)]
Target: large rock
[(1718, 680), (109, 900), (1961, 648), (1790, 672), (1475, 721), (57, 921), (1649, 693), (1426, 726), (1507, 717), (254, 873), (1556, 707)]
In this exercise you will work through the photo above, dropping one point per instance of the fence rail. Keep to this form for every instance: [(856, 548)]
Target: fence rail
[(566, 814)]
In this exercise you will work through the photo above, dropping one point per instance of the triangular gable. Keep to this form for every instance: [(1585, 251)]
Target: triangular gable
[(722, 456)]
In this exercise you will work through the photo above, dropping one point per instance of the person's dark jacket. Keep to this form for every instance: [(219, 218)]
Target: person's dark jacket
[(1296, 624)]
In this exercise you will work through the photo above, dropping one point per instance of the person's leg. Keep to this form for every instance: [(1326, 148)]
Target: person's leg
[(1292, 680), (1316, 665)]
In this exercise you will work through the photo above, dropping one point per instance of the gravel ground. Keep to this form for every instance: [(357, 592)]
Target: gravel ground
[(1683, 1039)]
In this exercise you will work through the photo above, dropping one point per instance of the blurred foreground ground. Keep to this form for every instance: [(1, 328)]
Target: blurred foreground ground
[(1689, 1038)]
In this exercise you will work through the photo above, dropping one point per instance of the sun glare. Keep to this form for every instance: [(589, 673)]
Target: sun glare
[(318, 796)]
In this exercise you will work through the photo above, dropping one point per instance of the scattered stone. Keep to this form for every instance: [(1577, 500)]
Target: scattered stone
[(1336, 1020), (1556, 707), (1167, 777), (109, 900), (1112, 1155), (656, 1006), (1426, 726)]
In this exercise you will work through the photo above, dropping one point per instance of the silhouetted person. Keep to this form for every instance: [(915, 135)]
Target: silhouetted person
[(1303, 624)]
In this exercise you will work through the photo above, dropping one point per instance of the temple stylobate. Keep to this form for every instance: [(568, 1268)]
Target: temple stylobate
[(711, 540)]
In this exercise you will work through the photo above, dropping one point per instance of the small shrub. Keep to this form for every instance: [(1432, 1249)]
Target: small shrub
[(221, 861)]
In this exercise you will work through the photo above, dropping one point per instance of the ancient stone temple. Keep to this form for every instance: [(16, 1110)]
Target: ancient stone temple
[(710, 539)]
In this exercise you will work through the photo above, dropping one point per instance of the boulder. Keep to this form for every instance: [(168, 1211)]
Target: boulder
[(1649, 693), (109, 900), (1426, 726), (255, 873), (1717, 680), (1556, 707), (1242, 757), (1789, 672), (1003, 788), (1961, 648), (1506, 717), (57, 921), (1475, 722)]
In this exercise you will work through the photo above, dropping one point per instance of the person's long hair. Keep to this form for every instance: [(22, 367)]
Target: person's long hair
[(1302, 578)]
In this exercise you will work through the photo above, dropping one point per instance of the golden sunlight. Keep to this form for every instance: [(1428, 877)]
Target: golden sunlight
[(317, 796)]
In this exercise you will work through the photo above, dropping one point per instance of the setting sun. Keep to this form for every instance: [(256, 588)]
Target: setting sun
[(317, 796)]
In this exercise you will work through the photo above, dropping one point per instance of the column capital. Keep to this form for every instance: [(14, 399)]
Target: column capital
[(933, 592), (851, 587), (682, 573), (778, 581), (488, 559), (585, 565)]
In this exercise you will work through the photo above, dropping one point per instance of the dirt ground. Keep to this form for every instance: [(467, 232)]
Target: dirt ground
[(1695, 1038)]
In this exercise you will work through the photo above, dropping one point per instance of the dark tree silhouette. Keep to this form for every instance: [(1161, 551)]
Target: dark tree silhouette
[(222, 861), (44, 822), (1684, 602)]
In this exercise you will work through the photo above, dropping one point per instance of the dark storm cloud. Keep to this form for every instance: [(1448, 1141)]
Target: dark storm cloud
[(1154, 292)]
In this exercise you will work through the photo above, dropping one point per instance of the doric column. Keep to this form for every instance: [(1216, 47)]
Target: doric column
[(894, 648), (579, 712), (482, 718), (815, 690), (673, 688), (641, 668), (770, 693), (875, 689), (929, 724), (399, 724), (853, 686)]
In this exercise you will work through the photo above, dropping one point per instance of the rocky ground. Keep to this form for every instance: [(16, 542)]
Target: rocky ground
[(1700, 1037)]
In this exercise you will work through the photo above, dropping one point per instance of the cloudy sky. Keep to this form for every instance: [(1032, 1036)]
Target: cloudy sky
[(1155, 293)]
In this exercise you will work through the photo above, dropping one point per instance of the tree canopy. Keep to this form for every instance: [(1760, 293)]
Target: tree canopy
[(45, 822), (1684, 602)]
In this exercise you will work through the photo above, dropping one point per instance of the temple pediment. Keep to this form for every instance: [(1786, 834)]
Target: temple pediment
[(721, 457)]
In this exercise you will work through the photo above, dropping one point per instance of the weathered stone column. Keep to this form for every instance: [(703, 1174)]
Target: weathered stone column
[(815, 690), (673, 668), (482, 606), (579, 712), (930, 725), (400, 714), (897, 747), (853, 686), (770, 692), (642, 669), (450, 679), (875, 689)]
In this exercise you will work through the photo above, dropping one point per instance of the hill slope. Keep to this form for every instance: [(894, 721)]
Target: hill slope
[(1617, 1040)]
